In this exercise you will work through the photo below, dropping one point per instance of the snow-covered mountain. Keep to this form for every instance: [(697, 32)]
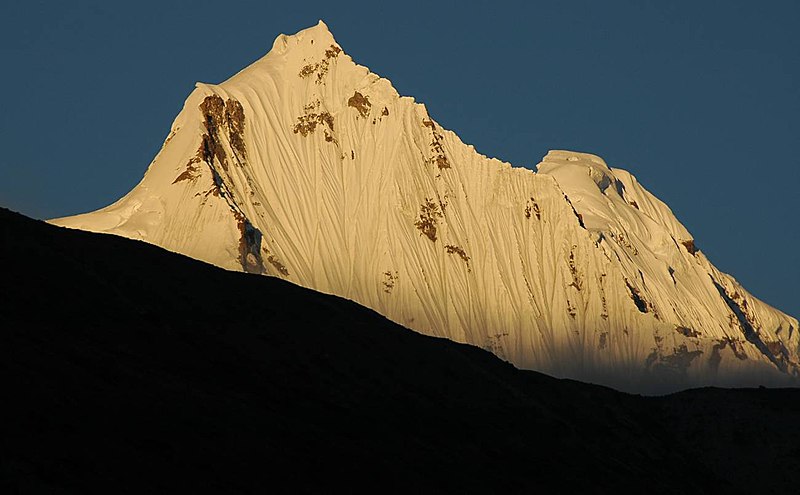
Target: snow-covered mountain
[(309, 167)]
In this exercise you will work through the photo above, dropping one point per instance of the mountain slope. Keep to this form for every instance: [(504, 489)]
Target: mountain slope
[(131, 369), (311, 168)]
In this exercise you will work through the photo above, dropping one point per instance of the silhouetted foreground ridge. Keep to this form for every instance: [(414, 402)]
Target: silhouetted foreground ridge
[(132, 369)]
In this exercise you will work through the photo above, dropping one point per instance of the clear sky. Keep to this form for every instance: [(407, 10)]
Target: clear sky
[(699, 99)]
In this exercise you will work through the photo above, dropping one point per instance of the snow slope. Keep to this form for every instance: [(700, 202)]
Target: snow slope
[(309, 167)]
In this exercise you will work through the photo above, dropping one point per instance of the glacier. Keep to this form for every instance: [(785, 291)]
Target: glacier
[(309, 167)]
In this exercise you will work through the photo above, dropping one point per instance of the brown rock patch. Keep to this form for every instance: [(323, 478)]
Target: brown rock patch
[(428, 219), (360, 103)]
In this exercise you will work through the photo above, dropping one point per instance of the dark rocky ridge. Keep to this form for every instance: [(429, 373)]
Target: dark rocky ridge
[(129, 369)]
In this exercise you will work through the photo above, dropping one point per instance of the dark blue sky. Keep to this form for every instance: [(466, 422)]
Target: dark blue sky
[(699, 100)]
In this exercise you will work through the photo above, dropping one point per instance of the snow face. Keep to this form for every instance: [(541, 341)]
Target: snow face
[(309, 167)]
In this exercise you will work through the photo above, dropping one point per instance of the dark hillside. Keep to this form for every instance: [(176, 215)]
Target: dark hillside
[(129, 369)]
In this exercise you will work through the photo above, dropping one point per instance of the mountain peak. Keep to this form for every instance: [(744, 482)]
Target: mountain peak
[(309, 167), (310, 50), (317, 36), (318, 33)]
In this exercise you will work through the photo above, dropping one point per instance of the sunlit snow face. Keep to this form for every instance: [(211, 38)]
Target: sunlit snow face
[(309, 167)]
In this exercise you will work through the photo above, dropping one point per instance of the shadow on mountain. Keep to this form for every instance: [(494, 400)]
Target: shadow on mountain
[(130, 369)]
